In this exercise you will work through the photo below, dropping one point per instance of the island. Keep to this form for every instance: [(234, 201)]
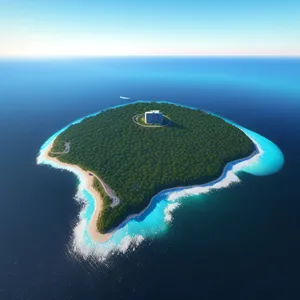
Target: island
[(131, 153)]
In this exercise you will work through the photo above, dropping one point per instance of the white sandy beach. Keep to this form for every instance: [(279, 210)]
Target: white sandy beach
[(189, 190), (88, 184)]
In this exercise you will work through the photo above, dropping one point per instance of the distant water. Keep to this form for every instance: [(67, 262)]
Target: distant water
[(241, 242)]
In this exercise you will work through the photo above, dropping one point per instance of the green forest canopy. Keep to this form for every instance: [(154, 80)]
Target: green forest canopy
[(138, 162)]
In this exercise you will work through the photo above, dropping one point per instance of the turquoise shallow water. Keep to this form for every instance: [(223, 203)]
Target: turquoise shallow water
[(240, 242), (155, 220), (271, 159)]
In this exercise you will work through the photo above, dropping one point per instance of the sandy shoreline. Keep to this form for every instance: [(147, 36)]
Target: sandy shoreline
[(249, 159), (88, 185), (135, 234)]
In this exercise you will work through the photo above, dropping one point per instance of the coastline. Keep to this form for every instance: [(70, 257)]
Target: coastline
[(230, 166), (88, 184), (266, 159), (227, 177)]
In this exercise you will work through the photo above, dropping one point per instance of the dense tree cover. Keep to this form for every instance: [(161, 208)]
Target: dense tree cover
[(137, 162)]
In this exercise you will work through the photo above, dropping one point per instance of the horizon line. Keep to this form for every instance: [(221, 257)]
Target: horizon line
[(53, 57)]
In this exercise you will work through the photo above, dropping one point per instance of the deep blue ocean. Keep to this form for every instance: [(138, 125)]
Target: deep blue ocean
[(242, 242)]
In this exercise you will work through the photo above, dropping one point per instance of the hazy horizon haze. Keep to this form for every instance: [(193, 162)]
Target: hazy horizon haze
[(158, 28)]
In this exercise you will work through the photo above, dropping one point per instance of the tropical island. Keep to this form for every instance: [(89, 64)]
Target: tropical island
[(131, 156)]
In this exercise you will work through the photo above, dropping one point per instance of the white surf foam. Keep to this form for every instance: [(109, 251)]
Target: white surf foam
[(168, 211), (81, 242)]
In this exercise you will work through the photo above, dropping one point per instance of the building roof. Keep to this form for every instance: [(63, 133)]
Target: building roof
[(153, 111)]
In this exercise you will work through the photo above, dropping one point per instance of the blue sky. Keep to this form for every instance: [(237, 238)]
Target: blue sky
[(34, 28)]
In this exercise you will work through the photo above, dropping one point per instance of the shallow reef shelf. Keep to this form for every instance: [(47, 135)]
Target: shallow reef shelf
[(155, 220)]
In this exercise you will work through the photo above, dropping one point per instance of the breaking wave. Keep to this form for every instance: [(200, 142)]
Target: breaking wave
[(156, 219)]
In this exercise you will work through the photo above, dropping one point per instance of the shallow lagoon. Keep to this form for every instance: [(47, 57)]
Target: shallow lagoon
[(156, 218), (238, 242)]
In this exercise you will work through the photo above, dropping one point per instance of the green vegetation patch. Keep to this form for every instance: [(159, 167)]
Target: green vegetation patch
[(138, 162)]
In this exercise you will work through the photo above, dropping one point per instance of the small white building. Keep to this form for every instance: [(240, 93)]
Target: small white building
[(153, 117)]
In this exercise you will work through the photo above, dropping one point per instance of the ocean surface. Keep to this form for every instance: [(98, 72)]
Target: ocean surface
[(241, 242)]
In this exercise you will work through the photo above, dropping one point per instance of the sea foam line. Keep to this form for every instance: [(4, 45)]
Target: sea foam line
[(134, 233)]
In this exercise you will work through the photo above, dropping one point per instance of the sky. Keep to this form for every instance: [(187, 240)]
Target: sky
[(67, 28)]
